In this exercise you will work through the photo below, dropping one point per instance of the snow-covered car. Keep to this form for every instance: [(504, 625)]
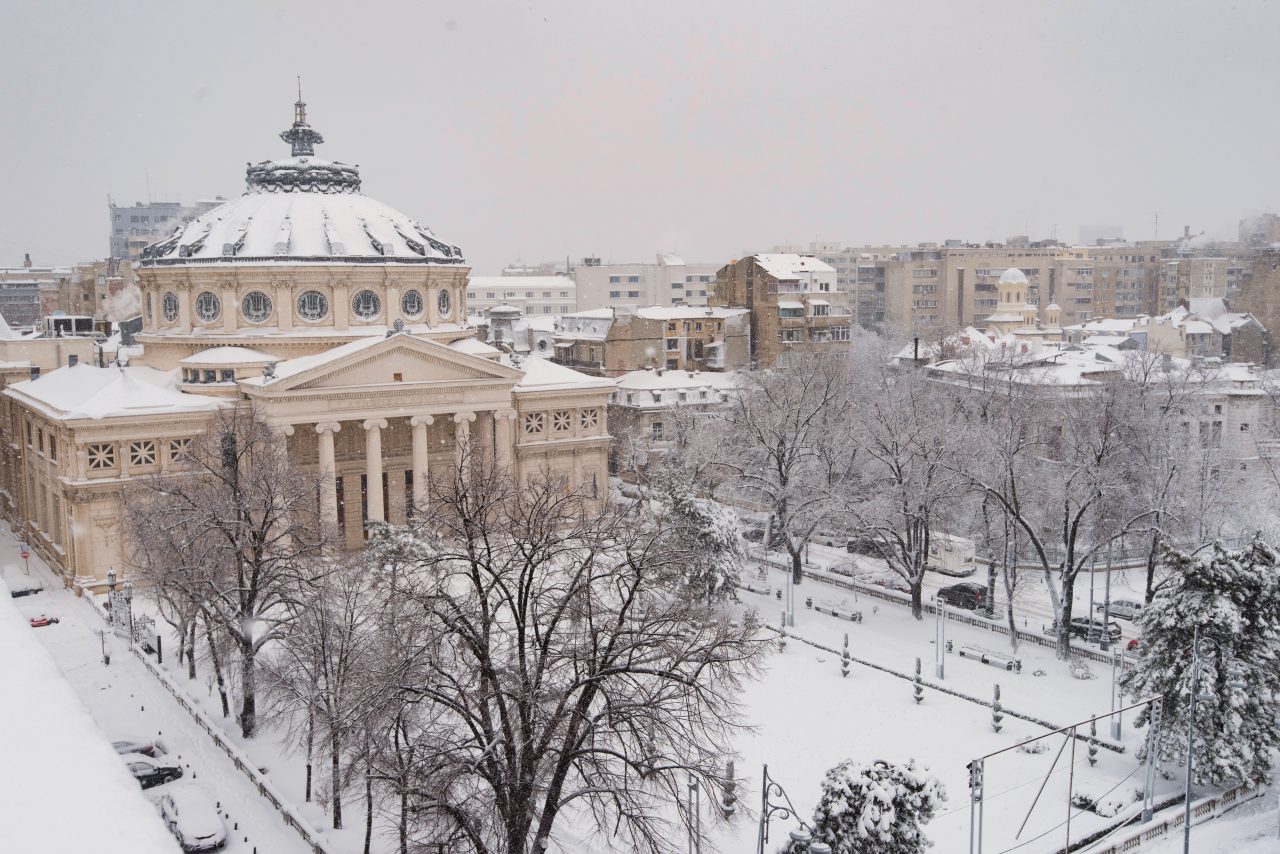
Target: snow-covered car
[(42, 620), (756, 535), (151, 747), (965, 595), (19, 587), (1125, 609), (149, 771), (192, 818), (1087, 629)]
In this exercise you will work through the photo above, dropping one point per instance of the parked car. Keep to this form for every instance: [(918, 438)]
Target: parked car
[(1125, 609), (868, 546), (149, 771), (756, 535), (152, 747), (42, 620), (193, 818), (1089, 629), (966, 595), (19, 587)]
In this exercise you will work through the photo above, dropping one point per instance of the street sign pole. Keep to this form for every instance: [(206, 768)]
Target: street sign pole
[(26, 553)]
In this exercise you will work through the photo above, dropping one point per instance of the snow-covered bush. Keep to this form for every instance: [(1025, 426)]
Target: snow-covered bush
[(879, 808), (1231, 600), (1101, 802), (714, 567)]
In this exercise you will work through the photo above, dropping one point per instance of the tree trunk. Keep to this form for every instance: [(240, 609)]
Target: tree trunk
[(368, 802), (190, 642), (248, 694), (335, 779), (217, 668), (917, 596), (1064, 621), (311, 743), (1151, 568), (797, 566)]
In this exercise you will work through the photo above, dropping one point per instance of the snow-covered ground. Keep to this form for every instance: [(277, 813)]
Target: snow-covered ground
[(1252, 828), (124, 699)]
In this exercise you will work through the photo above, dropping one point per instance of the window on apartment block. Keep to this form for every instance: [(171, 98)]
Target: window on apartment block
[(657, 431), (673, 344), (615, 294), (633, 294)]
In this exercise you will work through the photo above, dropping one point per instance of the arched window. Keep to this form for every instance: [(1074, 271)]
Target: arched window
[(411, 303), (444, 302), (169, 305), (208, 306)]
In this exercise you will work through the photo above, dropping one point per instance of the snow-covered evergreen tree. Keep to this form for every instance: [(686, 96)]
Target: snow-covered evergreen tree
[(1232, 598), (880, 808), (715, 565)]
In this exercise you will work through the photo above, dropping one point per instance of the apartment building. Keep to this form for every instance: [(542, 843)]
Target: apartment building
[(134, 228), (532, 295), (614, 341), (668, 281), (794, 303)]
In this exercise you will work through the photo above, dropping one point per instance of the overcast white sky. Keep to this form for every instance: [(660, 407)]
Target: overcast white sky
[(546, 129)]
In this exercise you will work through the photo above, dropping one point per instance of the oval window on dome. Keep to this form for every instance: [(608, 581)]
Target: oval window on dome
[(444, 302), (208, 306), (411, 303), (366, 305), (169, 306), (313, 305), (256, 306)]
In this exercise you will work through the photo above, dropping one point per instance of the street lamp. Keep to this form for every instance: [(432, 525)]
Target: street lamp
[(1199, 649), (128, 604), (111, 595)]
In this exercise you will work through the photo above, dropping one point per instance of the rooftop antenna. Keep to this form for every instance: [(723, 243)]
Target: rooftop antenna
[(147, 173)]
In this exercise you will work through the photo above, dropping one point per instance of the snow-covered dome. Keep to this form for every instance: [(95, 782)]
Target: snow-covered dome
[(1053, 306), (1013, 276), (303, 209)]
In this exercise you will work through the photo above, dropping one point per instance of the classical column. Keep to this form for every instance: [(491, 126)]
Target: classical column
[(328, 491), (419, 423), (373, 467), (504, 436), (462, 433)]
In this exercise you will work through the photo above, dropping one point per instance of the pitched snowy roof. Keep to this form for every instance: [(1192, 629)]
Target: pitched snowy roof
[(789, 266), (474, 346), (541, 375), (228, 356), (87, 391), (651, 379), (6, 332), (687, 312), (292, 367)]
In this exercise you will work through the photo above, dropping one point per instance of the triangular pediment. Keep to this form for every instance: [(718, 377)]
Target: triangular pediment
[(397, 359)]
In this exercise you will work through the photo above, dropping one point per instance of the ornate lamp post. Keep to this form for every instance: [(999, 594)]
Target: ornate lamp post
[(769, 790), (128, 604), (111, 595), (1200, 648)]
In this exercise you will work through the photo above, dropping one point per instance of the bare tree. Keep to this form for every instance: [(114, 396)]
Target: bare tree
[(557, 669), (244, 525), (779, 442), (907, 457)]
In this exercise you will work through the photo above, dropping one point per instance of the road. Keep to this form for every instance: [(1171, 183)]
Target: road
[(1032, 605), (126, 700)]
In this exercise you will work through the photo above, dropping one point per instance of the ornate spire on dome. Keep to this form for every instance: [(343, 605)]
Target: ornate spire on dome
[(301, 136)]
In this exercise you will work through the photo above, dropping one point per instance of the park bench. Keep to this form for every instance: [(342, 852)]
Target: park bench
[(995, 659), (841, 609)]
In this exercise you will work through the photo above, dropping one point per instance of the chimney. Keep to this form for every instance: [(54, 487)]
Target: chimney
[(35, 372), (1186, 231), (26, 259), (72, 360)]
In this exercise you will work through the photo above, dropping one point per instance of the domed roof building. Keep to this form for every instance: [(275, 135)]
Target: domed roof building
[(342, 321)]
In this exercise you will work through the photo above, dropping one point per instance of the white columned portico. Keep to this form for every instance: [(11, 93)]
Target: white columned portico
[(503, 436), (373, 428), (329, 492), (462, 434), (420, 423)]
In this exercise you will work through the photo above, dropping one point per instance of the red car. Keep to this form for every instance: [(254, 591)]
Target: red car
[(42, 620)]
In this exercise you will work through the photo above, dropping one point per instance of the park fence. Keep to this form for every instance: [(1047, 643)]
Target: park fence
[(1149, 834)]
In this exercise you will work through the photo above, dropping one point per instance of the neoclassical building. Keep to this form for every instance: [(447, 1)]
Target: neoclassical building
[(341, 320)]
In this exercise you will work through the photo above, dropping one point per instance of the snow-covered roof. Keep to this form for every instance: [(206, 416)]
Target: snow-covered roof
[(6, 332), (87, 391), (228, 356), (1013, 276), (293, 367), (302, 209), (474, 346), (687, 312), (790, 303), (47, 732), (1196, 327), (648, 379), (542, 375), (788, 266)]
